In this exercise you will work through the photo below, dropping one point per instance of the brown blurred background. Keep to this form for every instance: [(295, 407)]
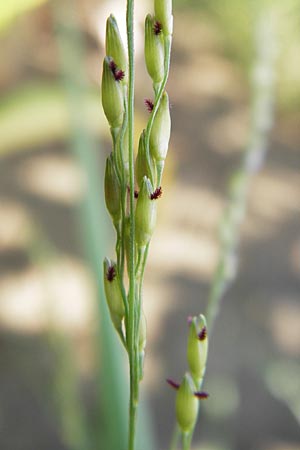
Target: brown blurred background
[(63, 375)]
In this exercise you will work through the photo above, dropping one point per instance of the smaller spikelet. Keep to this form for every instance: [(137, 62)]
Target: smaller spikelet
[(112, 190), (113, 294), (163, 14), (145, 214), (154, 51), (187, 404), (197, 348), (112, 94), (115, 48)]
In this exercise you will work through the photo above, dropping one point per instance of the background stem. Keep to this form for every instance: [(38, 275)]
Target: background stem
[(251, 162)]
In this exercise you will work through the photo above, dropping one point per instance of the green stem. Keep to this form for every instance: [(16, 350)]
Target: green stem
[(134, 384), (175, 438), (186, 441)]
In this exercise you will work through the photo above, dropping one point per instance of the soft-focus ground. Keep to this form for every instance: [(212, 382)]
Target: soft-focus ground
[(253, 369)]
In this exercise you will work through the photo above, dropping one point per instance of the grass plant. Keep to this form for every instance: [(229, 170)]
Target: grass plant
[(134, 220), (135, 223)]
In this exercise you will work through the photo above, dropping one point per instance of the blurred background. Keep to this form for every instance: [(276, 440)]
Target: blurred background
[(63, 374)]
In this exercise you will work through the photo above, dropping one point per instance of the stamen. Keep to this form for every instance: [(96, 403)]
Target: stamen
[(157, 28), (172, 383), (117, 73), (156, 194), (149, 104), (111, 273), (203, 334), (201, 395)]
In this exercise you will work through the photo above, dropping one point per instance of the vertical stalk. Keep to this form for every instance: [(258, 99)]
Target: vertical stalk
[(133, 401), (186, 441), (175, 438)]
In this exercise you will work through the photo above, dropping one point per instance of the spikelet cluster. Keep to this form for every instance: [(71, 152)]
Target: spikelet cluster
[(189, 390), (149, 164)]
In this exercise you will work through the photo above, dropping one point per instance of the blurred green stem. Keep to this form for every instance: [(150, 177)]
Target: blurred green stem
[(175, 438), (263, 77), (186, 441)]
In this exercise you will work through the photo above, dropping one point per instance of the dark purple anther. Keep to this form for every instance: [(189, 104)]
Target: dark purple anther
[(156, 194), (203, 334), (111, 273), (157, 28), (117, 73), (201, 395), (173, 383), (149, 104)]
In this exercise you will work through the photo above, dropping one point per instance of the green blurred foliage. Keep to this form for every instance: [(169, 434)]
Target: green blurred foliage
[(235, 21), (282, 380), (40, 114), (11, 9)]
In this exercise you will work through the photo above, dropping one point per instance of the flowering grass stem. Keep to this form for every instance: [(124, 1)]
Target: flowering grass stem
[(131, 342), (134, 221)]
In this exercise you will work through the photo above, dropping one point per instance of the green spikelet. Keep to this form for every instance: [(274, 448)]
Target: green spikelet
[(154, 51), (197, 348), (186, 404), (161, 129), (114, 46), (145, 214), (113, 294), (163, 14), (112, 191), (144, 166), (112, 95)]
